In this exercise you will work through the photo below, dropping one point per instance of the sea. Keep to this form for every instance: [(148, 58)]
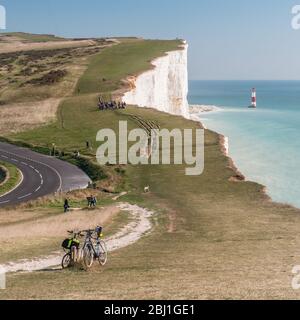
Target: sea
[(264, 142)]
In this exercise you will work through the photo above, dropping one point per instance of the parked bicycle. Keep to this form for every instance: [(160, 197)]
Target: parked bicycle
[(94, 248), (71, 247)]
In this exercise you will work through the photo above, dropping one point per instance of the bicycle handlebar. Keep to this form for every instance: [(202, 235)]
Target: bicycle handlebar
[(89, 231), (79, 234)]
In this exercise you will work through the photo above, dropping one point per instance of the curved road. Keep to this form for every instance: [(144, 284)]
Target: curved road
[(41, 175)]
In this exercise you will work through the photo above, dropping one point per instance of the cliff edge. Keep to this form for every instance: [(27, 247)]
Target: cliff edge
[(165, 87)]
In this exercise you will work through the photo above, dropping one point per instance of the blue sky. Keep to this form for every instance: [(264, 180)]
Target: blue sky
[(229, 39)]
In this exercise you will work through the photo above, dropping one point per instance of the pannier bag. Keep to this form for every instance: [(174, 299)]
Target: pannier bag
[(68, 243)]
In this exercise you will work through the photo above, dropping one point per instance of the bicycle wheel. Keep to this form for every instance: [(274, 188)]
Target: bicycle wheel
[(88, 257), (102, 253), (66, 261)]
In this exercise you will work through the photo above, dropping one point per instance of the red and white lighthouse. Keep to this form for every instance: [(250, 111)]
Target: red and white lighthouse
[(253, 99)]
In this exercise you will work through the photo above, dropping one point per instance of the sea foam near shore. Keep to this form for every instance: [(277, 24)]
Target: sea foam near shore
[(197, 110), (201, 108)]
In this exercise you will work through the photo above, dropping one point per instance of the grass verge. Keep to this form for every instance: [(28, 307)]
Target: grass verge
[(10, 176)]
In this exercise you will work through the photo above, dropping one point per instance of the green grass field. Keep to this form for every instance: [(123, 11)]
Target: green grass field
[(212, 238), (14, 177), (116, 63), (78, 117)]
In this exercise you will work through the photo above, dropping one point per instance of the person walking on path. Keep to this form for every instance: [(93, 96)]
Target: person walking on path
[(66, 206), (94, 201)]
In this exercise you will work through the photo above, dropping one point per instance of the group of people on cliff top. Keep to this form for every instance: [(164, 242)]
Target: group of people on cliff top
[(111, 105)]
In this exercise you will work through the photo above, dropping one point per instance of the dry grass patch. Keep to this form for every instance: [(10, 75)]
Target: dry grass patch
[(39, 234), (30, 93), (14, 44), (57, 225), (23, 116), (32, 107), (19, 215)]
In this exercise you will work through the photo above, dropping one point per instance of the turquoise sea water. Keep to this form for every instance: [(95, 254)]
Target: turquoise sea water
[(264, 143)]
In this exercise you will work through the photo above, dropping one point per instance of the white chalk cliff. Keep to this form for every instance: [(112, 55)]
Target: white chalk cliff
[(165, 87)]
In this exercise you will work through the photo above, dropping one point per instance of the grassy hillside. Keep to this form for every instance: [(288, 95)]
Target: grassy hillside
[(107, 70), (212, 238), (78, 117), (11, 178), (34, 82)]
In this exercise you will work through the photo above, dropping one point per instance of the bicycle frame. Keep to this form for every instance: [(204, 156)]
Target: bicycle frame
[(89, 242), (92, 246)]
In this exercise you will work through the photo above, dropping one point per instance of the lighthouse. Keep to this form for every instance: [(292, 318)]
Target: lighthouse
[(253, 99)]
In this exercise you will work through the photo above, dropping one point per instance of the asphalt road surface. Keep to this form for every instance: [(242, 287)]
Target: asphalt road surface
[(41, 175)]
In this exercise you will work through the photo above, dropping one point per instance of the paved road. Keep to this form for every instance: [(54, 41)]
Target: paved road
[(41, 175)]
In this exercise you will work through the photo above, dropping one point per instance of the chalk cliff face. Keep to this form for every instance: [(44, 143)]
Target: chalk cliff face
[(164, 88)]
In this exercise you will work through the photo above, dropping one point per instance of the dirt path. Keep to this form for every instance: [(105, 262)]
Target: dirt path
[(131, 233)]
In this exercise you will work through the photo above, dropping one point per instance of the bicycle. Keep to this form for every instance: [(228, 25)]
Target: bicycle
[(71, 246), (91, 250)]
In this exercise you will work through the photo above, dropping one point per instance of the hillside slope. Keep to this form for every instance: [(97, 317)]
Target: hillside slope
[(213, 238)]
